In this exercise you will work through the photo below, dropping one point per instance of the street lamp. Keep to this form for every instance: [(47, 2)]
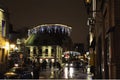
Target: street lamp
[(88, 4), (12, 47), (7, 45)]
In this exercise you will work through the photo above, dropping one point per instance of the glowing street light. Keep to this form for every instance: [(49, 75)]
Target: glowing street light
[(87, 2), (12, 46)]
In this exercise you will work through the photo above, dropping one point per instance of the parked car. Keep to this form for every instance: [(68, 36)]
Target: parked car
[(18, 73), (1, 75), (75, 64)]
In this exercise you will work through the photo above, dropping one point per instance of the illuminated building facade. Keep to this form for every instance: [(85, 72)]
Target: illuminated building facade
[(4, 44), (48, 41)]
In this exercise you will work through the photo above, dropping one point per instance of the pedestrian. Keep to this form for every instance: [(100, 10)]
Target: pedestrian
[(33, 63), (92, 69), (36, 72), (44, 64), (50, 64), (59, 65), (77, 65), (10, 63)]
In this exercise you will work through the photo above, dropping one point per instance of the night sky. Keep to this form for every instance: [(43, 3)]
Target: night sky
[(24, 13)]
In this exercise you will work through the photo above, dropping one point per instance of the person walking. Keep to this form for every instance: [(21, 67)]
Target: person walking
[(44, 64), (36, 72), (50, 64)]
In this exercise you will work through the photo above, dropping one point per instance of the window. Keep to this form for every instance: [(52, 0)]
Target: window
[(40, 52), (46, 52), (52, 52), (3, 51), (34, 51)]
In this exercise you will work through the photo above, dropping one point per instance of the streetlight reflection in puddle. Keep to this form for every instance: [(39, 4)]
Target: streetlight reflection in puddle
[(68, 72)]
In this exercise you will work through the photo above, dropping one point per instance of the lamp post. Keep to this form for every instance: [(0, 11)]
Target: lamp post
[(90, 23), (88, 4)]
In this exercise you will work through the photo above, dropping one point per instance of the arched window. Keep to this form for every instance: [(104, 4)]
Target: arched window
[(52, 52), (34, 51), (40, 52), (46, 52)]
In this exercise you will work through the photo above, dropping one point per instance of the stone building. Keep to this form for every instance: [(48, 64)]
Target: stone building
[(48, 41), (105, 15)]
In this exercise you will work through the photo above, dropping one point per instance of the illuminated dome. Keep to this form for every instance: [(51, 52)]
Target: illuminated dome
[(49, 34), (50, 29)]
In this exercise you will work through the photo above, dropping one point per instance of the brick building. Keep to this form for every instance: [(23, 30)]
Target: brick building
[(106, 30)]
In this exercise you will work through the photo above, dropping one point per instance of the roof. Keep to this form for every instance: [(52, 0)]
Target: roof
[(47, 39), (51, 28)]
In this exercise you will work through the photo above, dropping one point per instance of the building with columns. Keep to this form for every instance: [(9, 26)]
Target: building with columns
[(48, 41)]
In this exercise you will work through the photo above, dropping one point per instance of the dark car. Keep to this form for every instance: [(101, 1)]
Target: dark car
[(75, 64), (1, 75), (18, 73)]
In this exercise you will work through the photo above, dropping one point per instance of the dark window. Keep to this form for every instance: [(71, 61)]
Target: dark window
[(52, 52), (34, 51), (28, 51), (3, 51), (46, 52), (40, 52)]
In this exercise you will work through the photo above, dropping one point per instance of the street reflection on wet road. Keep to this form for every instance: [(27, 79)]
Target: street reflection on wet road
[(68, 72), (74, 73)]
